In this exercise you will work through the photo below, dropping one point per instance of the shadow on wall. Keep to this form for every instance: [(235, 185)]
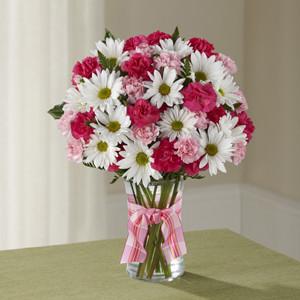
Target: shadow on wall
[(213, 289)]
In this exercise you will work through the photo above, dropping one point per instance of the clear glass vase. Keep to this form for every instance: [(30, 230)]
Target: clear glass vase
[(159, 198)]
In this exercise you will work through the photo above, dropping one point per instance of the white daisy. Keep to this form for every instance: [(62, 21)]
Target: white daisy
[(137, 160), (164, 89), (112, 50), (228, 125), (100, 151), (206, 68), (227, 91), (74, 100), (102, 90), (180, 47), (177, 123), (114, 124), (216, 149)]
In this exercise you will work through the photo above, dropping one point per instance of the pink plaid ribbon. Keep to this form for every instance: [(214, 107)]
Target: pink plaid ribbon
[(140, 218)]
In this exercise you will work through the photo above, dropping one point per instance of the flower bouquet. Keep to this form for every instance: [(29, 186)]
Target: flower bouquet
[(155, 110)]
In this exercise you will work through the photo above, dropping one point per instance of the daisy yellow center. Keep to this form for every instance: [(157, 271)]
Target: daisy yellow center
[(211, 149), (177, 125), (102, 146), (200, 76), (142, 159), (113, 126), (164, 89), (221, 91), (104, 93), (112, 61)]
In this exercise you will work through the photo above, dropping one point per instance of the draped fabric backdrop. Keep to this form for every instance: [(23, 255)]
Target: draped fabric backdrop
[(44, 199)]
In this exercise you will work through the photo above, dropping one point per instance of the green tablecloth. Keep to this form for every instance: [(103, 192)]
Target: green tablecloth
[(219, 265)]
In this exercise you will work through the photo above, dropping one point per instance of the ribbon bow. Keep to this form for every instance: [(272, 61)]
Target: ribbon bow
[(140, 218)]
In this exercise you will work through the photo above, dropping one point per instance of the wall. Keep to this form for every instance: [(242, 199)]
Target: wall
[(221, 22), (272, 48)]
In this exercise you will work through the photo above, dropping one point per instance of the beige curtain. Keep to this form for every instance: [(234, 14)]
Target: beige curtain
[(44, 199)]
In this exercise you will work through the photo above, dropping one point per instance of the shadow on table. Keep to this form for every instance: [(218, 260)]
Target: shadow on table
[(220, 290)]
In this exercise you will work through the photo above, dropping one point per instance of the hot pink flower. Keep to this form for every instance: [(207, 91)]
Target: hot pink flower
[(64, 123), (146, 134), (244, 119), (138, 66), (133, 87), (75, 150), (199, 97), (228, 63), (165, 159), (216, 114), (154, 37), (193, 169), (134, 41), (202, 45), (80, 127), (243, 101), (85, 69), (168, 59), (187, 149), (202, 120), (239, 153), (143, 113)]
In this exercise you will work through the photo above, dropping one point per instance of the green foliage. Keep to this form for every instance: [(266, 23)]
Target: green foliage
[(105, 62), (108, 34), (175, 35), (56, 111), (186, 70), (123, 99)]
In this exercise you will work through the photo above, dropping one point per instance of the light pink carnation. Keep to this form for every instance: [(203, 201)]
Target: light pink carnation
[(243, 101), (144, 48), (75, 150), (202, 120), (168, 59), (146, 134), (228, 63), (133, 87), (239, 153), (64, 123), (187, 149)]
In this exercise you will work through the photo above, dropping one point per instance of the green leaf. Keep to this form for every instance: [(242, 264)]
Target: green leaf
[(123, 99), (186, 70), (175, 35), (227, 107), (237, 105), (57, 111), (197, 177), (116, 177), (90, 165), (108, 34), (103, 60)]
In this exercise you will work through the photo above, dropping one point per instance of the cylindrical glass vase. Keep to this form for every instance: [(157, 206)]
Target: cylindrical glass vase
[(162, 201)]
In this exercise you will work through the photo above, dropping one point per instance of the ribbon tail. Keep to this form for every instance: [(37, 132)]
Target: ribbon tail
[(134, 250), (174, 243)]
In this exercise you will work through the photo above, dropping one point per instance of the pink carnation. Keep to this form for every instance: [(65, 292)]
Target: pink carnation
[(168, 59), (134, 41), (165, 159), (84, 69), (145, 49), (202, 120), (143, 113), (146, 134), (216, 114), (187, 149), (244, 119), (133, 87), (75, 150), (80, 127), (243, 102), (228, 63), (239, 153), (193, 169), (199, 97), (138, 65), (154, 37), (64, 123), (202, 45)]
